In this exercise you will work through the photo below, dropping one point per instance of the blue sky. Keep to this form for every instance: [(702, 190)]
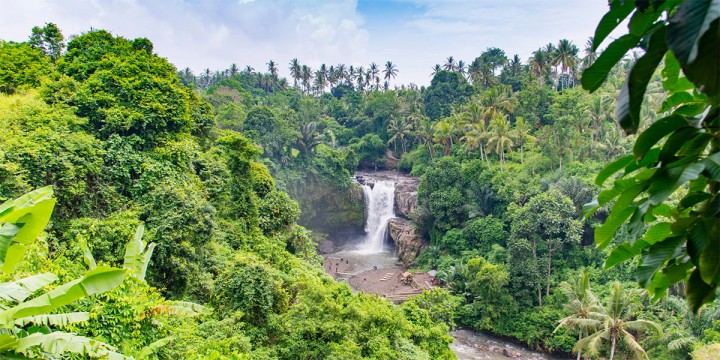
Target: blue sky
[(414, 34)]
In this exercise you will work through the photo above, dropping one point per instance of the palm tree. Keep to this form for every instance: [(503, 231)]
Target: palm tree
[(500, 137), (307, 77), (424, 132), (273, 70), (444, 133), (566, 56), (515, 65), (581, 304), (497, 100), (522, 132), (475, 138), (613, 323), (233, 70), (540, 64), (390, 71), (598, 110), (308, 138), (399, 129), (590, 54), (295, 71), (450, 64), (461, 68), (375, 72), (436, 69), (248, 69)]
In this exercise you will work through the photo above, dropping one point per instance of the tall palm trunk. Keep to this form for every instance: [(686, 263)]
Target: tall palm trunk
[(579, 338), (612, 349)]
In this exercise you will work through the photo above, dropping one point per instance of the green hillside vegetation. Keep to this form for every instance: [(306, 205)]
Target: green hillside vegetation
[(125, 144), (544, 204)]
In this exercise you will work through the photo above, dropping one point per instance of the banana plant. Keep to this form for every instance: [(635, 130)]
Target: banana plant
[(25, 318)]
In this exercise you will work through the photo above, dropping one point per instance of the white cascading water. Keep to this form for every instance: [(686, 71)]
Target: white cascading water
[(380, 206)]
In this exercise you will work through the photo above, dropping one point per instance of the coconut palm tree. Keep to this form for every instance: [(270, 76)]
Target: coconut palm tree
[(450, 64), (436, 69), (424, 132), (295, 71), (307, 77), (248, 69), (390, 71), (496, 100), (444, 132), (614, 322), (375, 72), (540, 64), (522, 135), (590, 54), (399, 129), (308, 138), (475, 137), (500, 137), (566, 56), (582, 303), (461, 68), (273, 70)]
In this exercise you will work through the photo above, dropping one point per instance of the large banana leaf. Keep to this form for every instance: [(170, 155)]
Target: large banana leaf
[(98, 280), (60, 343), (136, 256), (21, 221), (54, 320), (20, 290)]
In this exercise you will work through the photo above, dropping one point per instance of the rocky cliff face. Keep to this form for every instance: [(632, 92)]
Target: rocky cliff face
[(406, 195), (409, 244)]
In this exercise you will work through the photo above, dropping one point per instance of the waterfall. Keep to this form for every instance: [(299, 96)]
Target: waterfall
[(380, 204)]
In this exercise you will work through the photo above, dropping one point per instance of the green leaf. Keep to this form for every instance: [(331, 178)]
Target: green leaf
[(32, 210), (98, 280), (658, 130), (693, 199), (633, 90), (54, 320), (153, 347), (657, 233), (687, 24), (671, 72), (694, 37), (612, 168), (619, 10), (605, 232), (594, 76), (676, 99), (657, 254), (698, 292), (669, 180), (712, 167), (710, 257), (624, 252), (21, 289)]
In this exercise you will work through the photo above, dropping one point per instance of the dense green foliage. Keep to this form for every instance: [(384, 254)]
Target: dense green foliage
[(126, 145), (508, 154)]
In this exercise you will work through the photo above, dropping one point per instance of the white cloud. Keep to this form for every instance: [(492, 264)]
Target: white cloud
[(208, 34), (214, 34)]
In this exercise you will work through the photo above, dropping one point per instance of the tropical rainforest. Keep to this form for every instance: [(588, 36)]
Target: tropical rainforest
[(569, 200)]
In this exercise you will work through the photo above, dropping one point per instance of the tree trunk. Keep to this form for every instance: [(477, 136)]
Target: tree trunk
[(579, 351), (549, 273), (612, 349)]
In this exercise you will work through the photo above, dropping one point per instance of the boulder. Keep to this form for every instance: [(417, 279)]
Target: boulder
[(409, 244), (326, 247)]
